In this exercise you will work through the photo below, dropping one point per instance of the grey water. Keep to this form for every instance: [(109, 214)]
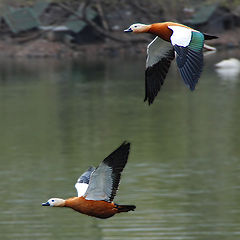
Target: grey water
[(58, 117)]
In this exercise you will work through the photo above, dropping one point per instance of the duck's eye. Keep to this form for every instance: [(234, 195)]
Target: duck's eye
[(135, 26), (52, 200)]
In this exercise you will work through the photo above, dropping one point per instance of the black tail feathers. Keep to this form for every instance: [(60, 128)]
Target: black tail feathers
[(209, 37), (125, 208)]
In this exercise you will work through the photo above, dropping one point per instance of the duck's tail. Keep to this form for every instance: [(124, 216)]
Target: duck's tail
[(209, 37), (125, 208)]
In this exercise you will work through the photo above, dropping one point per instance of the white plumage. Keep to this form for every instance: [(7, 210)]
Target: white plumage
[(81, 188), (181, 36), (156, 50)]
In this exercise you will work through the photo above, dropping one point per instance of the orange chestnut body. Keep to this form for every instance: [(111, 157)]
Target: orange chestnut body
[(99, 209), (163, 31)]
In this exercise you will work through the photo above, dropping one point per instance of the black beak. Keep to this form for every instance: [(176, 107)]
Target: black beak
[(46, 204), (128, 30)]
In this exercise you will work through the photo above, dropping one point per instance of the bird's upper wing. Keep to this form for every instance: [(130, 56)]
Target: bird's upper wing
[(188, 45), (83, 181), (105, 179), (159, 56)]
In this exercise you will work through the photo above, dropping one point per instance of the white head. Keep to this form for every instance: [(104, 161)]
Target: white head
[(54, 202), (138, 28)]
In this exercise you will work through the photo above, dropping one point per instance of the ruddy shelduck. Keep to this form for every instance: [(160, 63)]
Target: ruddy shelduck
[(97, 188), (172, 38)]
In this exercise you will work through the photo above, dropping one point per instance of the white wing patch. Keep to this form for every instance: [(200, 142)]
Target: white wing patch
[(83, 181), (181, 36), (81, 188), (156, 50)]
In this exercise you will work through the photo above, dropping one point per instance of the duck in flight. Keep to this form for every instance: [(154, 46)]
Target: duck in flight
[(97, 188), (171, 38)]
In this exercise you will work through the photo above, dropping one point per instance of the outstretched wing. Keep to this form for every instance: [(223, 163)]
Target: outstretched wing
[(83, 181), (104, 181), (188, 45), (159, 56)]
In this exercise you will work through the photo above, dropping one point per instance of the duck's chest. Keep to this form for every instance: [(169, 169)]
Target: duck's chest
[(100, 209)]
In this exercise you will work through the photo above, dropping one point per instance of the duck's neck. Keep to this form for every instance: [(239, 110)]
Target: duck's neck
[(62, 204), (70, 202), (144, 29)]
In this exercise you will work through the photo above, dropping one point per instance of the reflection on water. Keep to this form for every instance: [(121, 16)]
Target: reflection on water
[(229, 74), (229, 69), (57, 118)]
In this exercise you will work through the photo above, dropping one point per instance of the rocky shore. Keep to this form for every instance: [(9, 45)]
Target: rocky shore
[(98, 32), (42, 48)]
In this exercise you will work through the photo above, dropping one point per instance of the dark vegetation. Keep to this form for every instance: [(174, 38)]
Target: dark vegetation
[(73, 27)]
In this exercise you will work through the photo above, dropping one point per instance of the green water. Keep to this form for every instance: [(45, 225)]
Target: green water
[(57, 117)]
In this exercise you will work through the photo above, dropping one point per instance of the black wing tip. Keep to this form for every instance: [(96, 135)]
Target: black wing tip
[(125, 147), (155, 76), (117, 161), (150, 101), (119, 155), (126, 143)]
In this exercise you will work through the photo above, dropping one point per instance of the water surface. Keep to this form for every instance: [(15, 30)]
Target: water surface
[(59, 117)]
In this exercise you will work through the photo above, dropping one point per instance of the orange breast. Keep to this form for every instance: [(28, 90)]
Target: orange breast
[(99, 209)]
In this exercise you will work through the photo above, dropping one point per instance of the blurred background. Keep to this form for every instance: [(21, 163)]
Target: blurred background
[(95, 27), (71, 91)]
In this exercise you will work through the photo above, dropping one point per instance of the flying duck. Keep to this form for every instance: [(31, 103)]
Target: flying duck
[(97, 188), (171, 38)]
